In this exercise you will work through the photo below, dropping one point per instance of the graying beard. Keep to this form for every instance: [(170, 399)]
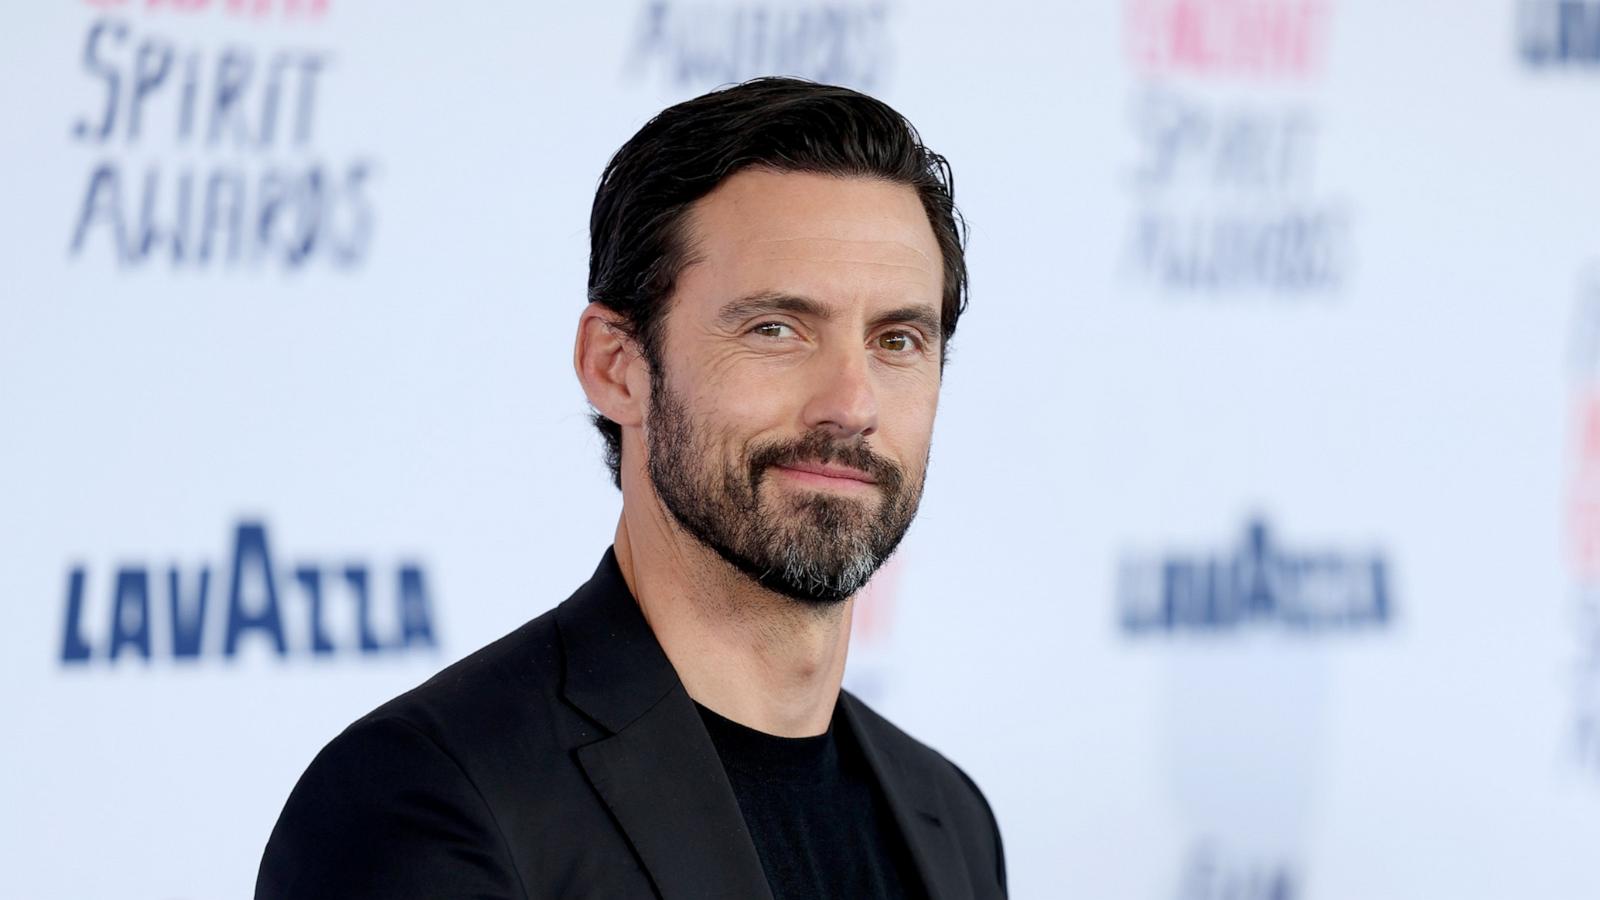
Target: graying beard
[(788, 570), (860, 564)]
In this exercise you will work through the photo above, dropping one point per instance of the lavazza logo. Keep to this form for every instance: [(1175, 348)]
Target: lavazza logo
[(1555, 34), (1255, 584), (696, 44), (249, 603), (1242, 630)]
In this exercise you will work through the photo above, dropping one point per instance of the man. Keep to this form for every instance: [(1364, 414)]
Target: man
[(776, 271)]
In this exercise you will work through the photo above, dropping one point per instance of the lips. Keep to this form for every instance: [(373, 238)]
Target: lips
[(830, 471)]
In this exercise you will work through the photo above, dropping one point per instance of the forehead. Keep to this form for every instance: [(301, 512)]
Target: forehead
[(838, 240)]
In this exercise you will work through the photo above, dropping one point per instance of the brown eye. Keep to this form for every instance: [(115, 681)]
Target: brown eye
[(896, 341), (772, 329)]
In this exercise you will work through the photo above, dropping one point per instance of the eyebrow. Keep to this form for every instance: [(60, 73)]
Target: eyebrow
[(736, 311), (919, 317)]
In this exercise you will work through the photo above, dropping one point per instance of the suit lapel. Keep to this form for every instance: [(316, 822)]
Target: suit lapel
[(657, 771), (666, 786), (916, 805)]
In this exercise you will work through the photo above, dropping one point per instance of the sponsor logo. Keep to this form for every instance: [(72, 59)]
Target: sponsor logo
[(258, 9), (703, 44), (1255, 584), (1586, 694), (304, 609), (203, 155), (1210, 875), (1558, 33), (1582, 529), (1261, 38), (1248, 629), (1225, 200), (1224, 188)]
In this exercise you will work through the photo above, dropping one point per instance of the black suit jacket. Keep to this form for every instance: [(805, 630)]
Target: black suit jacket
[(566, 760)]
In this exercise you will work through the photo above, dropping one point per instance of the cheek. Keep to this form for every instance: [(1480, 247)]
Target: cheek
[(748, 400), (905, 424), (729, 415)]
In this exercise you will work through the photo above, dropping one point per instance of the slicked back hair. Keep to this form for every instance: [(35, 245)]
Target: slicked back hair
[(637, 240)]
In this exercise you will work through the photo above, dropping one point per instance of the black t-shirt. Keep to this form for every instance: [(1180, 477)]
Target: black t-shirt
[(819, 820)]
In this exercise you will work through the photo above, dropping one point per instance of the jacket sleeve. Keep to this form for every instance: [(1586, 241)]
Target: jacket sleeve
[(383, 811)]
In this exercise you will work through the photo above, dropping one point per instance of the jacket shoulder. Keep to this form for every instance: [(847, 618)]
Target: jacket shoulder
[(415, 793), (919, 759), (974, 819), (480, 695), (383, 811)]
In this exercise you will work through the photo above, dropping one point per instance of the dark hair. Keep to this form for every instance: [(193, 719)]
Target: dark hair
[(637, 246)]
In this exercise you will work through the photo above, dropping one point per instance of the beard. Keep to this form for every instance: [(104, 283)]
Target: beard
[(819, 548)]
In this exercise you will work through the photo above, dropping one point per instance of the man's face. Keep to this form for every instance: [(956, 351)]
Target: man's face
[(799, 364)]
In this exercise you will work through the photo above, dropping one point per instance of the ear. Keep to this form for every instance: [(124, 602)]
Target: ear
[(610, 366)]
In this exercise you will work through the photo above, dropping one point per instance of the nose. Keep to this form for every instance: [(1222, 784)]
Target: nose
[(843, 400)]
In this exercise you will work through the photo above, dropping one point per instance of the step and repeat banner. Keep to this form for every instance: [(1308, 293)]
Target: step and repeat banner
[(1260, 556)]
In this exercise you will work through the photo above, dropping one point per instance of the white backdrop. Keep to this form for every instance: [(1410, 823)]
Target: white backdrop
[(1262, 540)]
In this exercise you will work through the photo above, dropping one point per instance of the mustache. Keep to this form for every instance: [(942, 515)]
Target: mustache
[(820, 447)]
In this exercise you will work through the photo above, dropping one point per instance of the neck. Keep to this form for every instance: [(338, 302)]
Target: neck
[(763, 660)]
